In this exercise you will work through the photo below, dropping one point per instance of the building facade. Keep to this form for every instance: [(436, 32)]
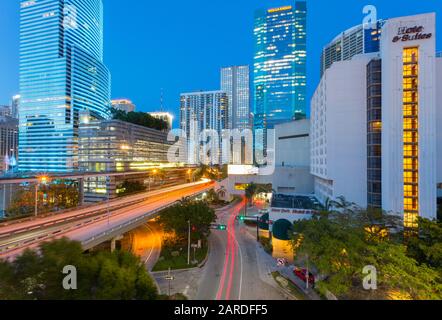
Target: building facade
[(376, 127), (235, 82), (15, 105), (439, 131), (5, 111), (292, 158), (279, 71), (117, 146), (338, 134), (61, 74), (200, 111), (354, 41), (125, 105), (8, 143), (165, 116)]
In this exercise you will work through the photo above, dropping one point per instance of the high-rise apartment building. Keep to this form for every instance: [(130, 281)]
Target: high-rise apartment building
[(357, 40), (235, 82), (5, 111), (376, 125), (61, 74), (123, 105), (199, 111), (279, 71), (8, 143)]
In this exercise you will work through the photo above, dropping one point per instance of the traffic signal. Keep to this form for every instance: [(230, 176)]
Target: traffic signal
[(222, 227), (241, 218)]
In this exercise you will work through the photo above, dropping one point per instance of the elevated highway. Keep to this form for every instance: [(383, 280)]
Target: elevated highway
[(94, 224)]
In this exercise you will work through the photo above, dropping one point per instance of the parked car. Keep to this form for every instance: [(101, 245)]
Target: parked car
[(302, 274)]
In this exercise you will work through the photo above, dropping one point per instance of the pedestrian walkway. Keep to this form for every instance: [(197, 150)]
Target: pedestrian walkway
[(183, 282), (267, 265)]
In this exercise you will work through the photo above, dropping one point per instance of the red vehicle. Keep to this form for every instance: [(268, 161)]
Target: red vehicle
[(302, 274)]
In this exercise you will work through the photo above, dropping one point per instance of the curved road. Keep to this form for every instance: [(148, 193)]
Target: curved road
[(145, 242), (232, 271)]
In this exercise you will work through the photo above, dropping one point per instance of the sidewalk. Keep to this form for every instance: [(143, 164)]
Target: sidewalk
[(185, 282), (267, 264)]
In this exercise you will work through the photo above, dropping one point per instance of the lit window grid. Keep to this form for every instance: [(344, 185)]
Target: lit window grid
[(59, 76), (411, 136), (279, 68)]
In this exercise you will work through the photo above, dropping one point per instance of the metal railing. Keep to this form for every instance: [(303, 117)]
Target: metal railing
[(135, 220)]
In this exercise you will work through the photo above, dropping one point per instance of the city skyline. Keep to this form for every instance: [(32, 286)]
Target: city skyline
[(200, 58), (269, 192)]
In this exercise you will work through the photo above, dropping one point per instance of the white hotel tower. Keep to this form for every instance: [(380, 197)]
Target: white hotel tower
[(377, 124)]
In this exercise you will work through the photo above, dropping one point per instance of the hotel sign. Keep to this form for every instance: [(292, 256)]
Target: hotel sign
[(294, 211), (410, 34), (274, 10)]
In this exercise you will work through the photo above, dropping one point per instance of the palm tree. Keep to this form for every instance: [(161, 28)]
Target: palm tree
[(251, 191)]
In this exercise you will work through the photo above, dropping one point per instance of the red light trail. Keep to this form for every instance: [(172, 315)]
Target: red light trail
[(231, 252)]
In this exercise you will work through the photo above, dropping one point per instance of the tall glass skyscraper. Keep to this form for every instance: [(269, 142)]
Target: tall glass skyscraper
[(61, 73), (235, 81), (280, 65)]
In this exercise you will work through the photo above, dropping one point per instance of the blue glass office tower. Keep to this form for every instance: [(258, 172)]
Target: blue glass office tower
[(280, 65), (61, 74)]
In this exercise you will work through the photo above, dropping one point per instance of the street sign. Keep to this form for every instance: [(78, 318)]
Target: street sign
[(281, 262), (170, 278)]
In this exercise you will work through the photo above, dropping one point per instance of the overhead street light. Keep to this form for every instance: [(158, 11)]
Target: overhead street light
[(40, 180)]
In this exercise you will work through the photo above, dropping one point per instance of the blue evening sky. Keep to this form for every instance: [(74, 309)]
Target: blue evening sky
[(181, 45)]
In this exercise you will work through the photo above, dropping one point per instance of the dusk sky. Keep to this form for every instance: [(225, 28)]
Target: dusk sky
[(181, 45)]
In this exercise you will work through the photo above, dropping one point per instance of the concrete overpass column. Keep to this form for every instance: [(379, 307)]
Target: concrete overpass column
[(114, 242)]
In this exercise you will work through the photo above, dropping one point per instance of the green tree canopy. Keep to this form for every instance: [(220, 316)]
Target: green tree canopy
[(341, 244), (58, 195), (141, 119), (175, 219), (103, 275), (426, 247)]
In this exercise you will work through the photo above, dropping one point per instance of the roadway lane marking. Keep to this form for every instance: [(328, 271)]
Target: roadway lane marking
[(152, 248)]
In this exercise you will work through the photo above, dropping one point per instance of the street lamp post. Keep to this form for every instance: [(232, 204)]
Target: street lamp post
[(43, 179), (36, 200), (188, 246), (108, 199)]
